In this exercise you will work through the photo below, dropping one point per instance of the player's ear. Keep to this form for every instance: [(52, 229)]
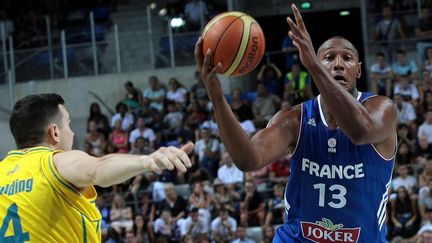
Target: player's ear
[(359, 70), (53, 133)]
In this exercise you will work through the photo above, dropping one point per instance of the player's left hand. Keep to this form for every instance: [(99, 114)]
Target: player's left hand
[(301, 39)]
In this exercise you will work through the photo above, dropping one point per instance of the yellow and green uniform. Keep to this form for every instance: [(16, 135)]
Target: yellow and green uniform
[(302, 82), (38, 205)]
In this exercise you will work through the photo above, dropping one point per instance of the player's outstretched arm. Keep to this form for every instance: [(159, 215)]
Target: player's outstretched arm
[(267, 145), (82, 170), (375, 122)]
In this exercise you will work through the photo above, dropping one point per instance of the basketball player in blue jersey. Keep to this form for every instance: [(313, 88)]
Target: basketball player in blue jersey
[(342, 142)]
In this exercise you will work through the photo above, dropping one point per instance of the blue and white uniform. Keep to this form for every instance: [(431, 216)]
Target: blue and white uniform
[(337, 191)]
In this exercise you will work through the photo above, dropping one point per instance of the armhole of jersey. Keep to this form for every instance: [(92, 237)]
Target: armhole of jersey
[(300, 129), (373, 146), (382, 157)]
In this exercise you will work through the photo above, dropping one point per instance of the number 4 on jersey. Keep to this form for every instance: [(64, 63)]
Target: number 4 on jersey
[(19, 236)]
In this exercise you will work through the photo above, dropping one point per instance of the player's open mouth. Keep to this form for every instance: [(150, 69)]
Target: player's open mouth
[(339, 78)]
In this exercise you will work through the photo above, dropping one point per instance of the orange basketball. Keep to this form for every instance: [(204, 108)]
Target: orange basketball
[(237, 42)]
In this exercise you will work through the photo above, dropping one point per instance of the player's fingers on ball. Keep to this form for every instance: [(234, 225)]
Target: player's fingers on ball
[(184, 158), (198, 52), (215, 70), (207, 59)]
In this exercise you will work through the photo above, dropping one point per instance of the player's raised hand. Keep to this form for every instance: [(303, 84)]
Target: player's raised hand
[(169, 158), (301, 38), (207, 73)]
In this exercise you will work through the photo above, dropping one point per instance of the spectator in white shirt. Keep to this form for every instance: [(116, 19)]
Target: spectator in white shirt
[(381, 76), (425, 200), (142, 131), (223, 228), (208, 151), (425, 129), (194, 226), (176, 93), (405, 180), (228, 173), (123, 115), (406, 88), (155, 94), (406, 112), (242, 237)]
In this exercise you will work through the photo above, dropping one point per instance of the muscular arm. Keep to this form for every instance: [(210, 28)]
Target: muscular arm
[(83, 170), (373, 122), (267, 145)]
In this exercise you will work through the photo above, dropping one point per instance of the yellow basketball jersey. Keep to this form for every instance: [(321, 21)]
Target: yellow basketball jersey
[(38, 205)]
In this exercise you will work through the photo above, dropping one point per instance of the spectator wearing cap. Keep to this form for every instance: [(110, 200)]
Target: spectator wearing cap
[(223, 228), (142, 131), (228, 173), (425, 129), (242, 237)]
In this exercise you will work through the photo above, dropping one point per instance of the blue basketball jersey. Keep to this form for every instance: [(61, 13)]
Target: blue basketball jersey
[(337, 191)]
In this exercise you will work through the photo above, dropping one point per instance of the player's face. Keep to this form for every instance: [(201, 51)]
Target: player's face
[(340, 59), (65, 133)]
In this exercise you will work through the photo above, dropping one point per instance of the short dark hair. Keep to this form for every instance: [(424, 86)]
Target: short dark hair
[(31, 115), (354, 49)]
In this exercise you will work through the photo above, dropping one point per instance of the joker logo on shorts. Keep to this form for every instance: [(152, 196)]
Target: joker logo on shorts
[(325, 232)]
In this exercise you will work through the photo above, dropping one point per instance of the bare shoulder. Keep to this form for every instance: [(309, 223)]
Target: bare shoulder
[(70, 156), (286, 117), (379, 102)]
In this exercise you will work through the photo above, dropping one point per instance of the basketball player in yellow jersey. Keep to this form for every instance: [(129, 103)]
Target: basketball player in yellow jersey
[(46, 189)]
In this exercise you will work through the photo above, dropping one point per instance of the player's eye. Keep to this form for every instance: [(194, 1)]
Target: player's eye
[(329, 57), (348, 58)]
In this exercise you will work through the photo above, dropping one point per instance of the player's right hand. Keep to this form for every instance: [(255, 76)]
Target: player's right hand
[(207, 73), (168, 158)]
